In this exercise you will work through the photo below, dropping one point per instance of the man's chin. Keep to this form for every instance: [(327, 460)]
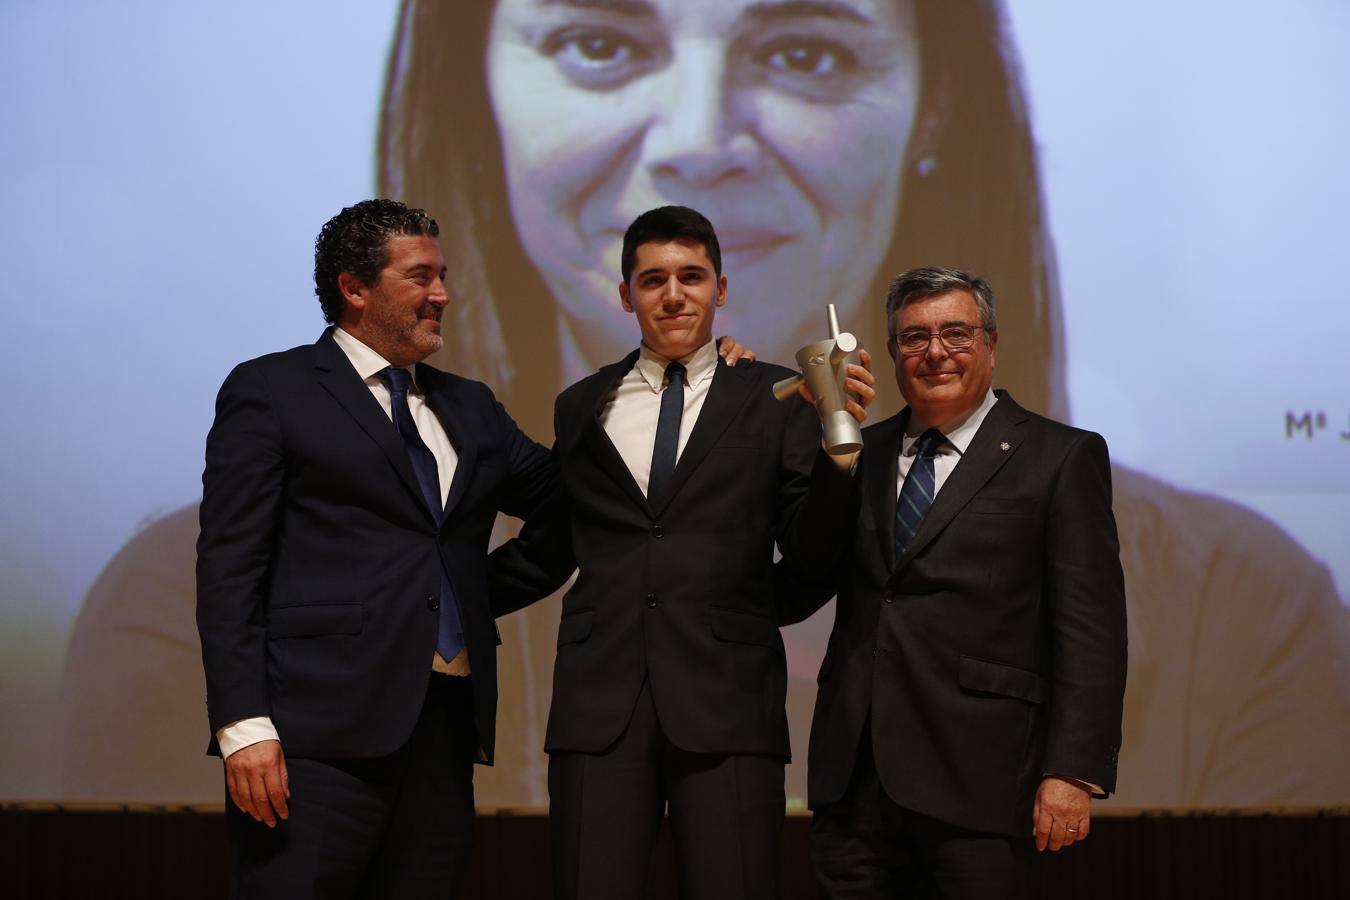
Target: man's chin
[(675, 344), (428, 344)]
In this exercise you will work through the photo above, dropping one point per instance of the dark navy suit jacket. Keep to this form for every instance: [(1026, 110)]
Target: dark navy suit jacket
[(318, 563)]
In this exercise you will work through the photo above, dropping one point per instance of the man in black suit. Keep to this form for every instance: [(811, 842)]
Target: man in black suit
[(349, 647), (971, 692), (679, 476)]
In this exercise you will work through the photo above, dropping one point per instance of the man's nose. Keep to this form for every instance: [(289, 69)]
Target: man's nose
[(440, 294), (672, 293), (936, 349)]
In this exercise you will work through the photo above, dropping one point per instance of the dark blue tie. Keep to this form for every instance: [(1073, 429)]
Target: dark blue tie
[(919, 490), (667, 434), (449, 635)]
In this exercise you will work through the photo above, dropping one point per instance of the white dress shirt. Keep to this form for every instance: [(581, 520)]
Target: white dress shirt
[(959, 432), (369, 365), (634, 404)]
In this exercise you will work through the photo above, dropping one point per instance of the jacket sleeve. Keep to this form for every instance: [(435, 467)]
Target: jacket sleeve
[(533, 471), (797, 595), (539, 560), (818, 501), (1087, 618), (242, 488)]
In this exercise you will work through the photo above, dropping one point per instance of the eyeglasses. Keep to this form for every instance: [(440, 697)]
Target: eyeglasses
[(954, 337)]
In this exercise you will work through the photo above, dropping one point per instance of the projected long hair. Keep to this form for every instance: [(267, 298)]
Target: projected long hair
[(971, 199)]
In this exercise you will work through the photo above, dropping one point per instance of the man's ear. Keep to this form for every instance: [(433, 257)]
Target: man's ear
[(721, 290), (623, 297), (353, 290)]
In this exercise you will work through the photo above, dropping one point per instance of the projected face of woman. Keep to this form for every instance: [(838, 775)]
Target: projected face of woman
[(785, 122)]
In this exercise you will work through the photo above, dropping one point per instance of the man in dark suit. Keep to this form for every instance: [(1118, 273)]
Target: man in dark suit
[(971, 692), (349, 647), (679, 476)]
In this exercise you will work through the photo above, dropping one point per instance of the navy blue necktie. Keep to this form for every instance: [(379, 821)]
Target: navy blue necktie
[(919, 490), (449, 635), (667, 434)]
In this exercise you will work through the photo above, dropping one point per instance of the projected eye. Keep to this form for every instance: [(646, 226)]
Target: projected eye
[(806, 56), (828, 68), (597, 58)]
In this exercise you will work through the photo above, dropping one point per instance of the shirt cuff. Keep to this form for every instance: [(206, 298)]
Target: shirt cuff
[(244, 733), (1093, 789)]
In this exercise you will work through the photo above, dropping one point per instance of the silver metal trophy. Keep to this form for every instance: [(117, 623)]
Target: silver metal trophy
[(824, 366)]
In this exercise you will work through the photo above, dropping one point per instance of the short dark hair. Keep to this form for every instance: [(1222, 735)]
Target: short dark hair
[(356, 240), (670, 223), (929, 281)]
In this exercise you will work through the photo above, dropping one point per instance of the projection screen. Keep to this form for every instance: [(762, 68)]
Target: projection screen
[(1156, 192)]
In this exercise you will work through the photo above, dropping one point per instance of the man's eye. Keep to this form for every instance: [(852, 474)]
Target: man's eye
[(912, 340), (958, 334)]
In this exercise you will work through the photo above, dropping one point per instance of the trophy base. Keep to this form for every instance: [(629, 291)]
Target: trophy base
[(842, 434)]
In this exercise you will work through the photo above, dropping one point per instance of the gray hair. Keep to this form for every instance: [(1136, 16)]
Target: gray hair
[(929, 281)]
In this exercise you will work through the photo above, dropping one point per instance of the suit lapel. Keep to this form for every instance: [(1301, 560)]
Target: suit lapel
[(445, 402), (729, 391), (602, 449), (882, 470), (982, 459), (336, 375)]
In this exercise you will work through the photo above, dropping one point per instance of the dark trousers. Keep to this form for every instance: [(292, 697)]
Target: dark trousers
[(396, 826), (865, 846), (726, 817)]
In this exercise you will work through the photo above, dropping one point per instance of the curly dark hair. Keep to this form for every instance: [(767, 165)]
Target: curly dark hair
[(669, 223), (356, 240)]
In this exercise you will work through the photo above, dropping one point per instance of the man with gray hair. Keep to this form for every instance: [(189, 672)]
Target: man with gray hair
[(970, 698)]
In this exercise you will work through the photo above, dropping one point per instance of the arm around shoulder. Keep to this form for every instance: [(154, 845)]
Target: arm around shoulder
[(540, 559)]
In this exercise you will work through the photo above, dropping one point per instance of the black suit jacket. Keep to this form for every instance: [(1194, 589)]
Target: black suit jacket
[(318, 560), (993, 651), (681, 593)]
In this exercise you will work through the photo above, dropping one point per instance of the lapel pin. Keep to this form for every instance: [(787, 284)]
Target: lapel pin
[(1005, 446)]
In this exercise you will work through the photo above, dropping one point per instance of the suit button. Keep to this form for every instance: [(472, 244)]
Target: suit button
[(889, 598), (652, 601), (657, 532), (433, 603)]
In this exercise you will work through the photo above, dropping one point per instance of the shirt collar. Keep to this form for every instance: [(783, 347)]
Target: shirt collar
[(697, 365), (959, 432), (367, 362)]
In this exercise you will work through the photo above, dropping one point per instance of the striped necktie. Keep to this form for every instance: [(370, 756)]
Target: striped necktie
[(919, 490)]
